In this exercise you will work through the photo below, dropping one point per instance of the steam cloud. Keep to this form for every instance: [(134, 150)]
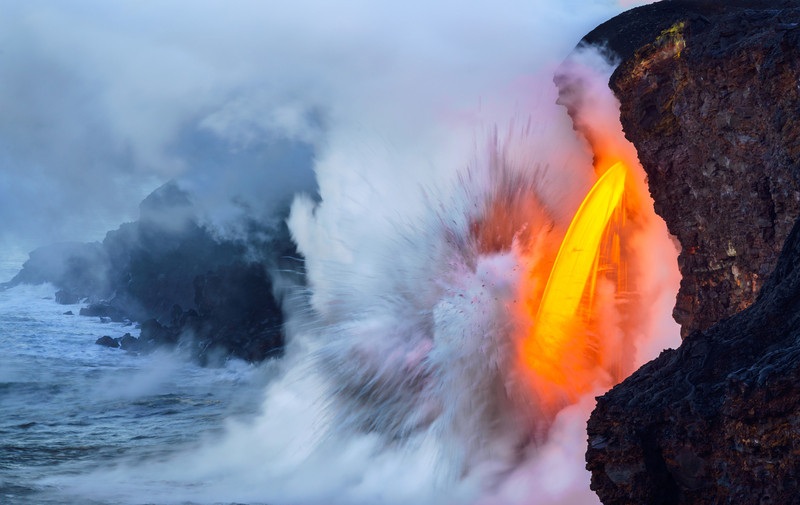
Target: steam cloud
[(102, 103), (391, 107)]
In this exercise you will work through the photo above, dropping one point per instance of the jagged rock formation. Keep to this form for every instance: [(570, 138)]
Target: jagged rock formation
[(633, 29), (709, 103), (710, 107), (173, 275), (715, 421)]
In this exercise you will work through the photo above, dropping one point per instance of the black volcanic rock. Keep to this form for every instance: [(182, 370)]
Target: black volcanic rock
[(75, 268), (129, 343), (184, 283), (633, 29), (155, 334), (709, 102), (104, 310), (107, 341), (167, 208), (67, 297), (709, 105), (715, 421), (238, 313), (154, 261)]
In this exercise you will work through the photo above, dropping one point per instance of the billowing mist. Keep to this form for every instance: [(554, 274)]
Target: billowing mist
[(103, 102), (398, 135)]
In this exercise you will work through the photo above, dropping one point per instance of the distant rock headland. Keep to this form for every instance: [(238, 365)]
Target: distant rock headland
[(184, 284)]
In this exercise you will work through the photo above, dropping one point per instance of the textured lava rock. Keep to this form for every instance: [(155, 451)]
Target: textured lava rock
[(633, 29), (107, 341), (237, 314), (129, 343), (189, 287), (104, 311), (710, 106), (715, 421), (67, 297)]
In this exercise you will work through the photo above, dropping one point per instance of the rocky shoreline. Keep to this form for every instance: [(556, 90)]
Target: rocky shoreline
[(178, 280)]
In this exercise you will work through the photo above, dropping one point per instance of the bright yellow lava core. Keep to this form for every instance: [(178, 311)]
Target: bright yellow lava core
[(555, 348)]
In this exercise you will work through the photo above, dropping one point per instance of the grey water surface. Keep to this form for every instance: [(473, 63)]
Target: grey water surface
[(70, 407)]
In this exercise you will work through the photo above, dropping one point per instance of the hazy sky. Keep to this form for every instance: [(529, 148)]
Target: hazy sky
[(101, 102)]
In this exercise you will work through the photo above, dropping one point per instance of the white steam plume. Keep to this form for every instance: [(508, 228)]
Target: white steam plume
[(399, 384), (103, 102)]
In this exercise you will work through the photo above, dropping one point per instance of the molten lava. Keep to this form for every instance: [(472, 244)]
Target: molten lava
[(568, 347), (575, 263)]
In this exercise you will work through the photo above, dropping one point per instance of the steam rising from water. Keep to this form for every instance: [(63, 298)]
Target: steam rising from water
[(103, 102), (399, 384)]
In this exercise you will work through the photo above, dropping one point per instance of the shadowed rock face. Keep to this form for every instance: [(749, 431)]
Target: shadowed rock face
[(710, 104), (715, 421), (214, 296), (633, 29)]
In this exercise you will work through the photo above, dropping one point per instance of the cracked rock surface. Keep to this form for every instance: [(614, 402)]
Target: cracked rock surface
[(709, 94)]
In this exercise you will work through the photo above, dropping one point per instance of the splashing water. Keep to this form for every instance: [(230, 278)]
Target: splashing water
[(556, 349), (447, 348)]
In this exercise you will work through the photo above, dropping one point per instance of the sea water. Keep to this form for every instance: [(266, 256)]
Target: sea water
[(70, 407)]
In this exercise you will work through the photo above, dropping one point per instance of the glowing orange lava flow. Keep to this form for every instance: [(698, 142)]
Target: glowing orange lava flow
[(556, 350)]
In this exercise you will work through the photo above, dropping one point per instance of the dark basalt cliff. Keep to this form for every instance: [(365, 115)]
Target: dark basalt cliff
[(710, 106), (214, 296), (710, 99), (715, 421)]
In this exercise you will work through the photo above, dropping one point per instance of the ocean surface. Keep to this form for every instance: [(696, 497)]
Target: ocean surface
[(69, 407)]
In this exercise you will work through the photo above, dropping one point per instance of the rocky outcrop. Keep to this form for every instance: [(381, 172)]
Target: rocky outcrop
[(625, 34), (67, 297), (104, 310), (107, 341), (187, 286), (715, 421), (709, 104), (77, 269), (127, 342)]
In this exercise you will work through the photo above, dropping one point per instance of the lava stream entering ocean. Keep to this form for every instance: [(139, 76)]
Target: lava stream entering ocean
[(550, 349), (579, 310), (449, 342)]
